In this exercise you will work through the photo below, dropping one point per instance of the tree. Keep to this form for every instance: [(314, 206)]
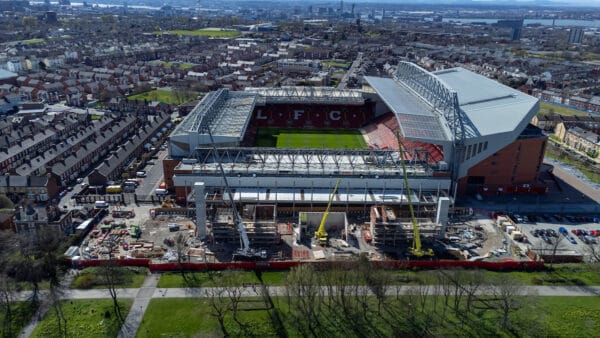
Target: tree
[(302, 288), (219, 306), (181, 249), (111, 274), (6, 301)]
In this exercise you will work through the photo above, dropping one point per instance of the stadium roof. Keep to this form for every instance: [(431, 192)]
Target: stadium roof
[(490, 106), (452, 104), (326, 95), (416, 118), (225, 112)]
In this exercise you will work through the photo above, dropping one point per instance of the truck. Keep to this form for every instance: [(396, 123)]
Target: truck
[(114, 189)]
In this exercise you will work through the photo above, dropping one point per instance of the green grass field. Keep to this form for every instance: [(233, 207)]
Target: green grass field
[(204, 279), (91, 278), (85, 318), (302, 138), (550, 317), (546, 108), (210, 32), (165, 96), (34, 41)]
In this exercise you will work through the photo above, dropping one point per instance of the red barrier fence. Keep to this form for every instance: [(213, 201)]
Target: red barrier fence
[(286, 265)]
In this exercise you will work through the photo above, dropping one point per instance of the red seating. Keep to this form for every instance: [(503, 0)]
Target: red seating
[(311, 116), (381, 134)]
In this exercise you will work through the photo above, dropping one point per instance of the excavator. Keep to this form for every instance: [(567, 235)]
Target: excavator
[(415, 250), (321, 234), (245, 252)]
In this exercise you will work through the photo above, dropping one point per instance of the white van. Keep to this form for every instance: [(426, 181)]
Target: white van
[(161, 191), (101, 204)]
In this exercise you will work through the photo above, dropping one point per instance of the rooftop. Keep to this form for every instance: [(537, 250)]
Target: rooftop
[(225, 112), (325, 95)]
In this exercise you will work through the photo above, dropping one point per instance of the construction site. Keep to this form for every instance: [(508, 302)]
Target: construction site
[(252, 186)]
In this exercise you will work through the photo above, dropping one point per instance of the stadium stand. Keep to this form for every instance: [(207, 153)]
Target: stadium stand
[(311, 116), (381, 134)]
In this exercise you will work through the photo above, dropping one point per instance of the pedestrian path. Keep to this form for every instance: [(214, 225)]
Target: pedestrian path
[(140, 304), (44, 305)]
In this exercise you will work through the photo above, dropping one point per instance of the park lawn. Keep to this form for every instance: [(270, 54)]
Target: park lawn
[(191, 317), (545, 108), (329, 64), (210, 32), (91, 278), (572, 316), (161, 95), (318, 138), (33, 41), (181, 65), (185, 66), (86, 318), (206, 279), (560, 274), (95, 117), (21, 315)]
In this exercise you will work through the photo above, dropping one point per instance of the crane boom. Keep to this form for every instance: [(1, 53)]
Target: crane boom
[(416, 249), (245, 249), (321, 234)]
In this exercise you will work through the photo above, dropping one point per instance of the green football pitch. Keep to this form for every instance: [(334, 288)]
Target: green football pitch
[(302, 138)]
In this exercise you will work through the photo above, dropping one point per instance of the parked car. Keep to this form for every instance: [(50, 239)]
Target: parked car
[(535, 233), (563, 231), (572, 240), (551, 232)]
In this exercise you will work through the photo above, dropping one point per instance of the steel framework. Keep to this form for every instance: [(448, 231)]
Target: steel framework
[(278, 161), (435, 92), (322, 95)]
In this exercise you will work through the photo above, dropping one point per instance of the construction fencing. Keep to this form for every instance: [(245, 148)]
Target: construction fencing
[(286, 265)]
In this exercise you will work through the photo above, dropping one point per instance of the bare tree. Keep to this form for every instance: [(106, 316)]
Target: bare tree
[(302, 290), (6, 301), (219, 305), (234, 291), (181, 249), (112, 276)]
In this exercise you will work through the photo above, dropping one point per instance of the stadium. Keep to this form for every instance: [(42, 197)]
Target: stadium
[(460, 133)]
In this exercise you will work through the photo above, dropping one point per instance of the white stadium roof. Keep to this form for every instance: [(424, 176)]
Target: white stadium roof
[(491, 106), (484, 107)]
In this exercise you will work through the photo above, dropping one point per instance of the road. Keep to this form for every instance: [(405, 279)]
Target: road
[(154, 175), (351, 71), (253, 291)]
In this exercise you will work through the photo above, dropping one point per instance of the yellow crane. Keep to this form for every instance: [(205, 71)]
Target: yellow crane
[(416, 249), (321, 234)]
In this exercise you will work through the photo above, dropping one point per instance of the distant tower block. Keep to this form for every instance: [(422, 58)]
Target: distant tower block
[(200, 210), (442, 212)]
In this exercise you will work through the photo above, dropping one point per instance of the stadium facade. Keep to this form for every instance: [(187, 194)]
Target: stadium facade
[(461, 133)]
